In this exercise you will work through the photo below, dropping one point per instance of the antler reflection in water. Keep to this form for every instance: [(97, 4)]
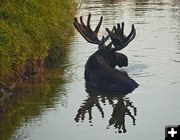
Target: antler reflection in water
[(122, 107), (120, 110), (87, 108)]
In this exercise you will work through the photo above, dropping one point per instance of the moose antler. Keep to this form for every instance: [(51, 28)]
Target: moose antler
[(87, 32), (119, 40), (118, 37)]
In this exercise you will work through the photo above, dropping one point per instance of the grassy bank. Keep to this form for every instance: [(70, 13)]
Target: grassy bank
[(30, 30)]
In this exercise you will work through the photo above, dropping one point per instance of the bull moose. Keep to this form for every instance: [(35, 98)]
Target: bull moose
[(100, 69)]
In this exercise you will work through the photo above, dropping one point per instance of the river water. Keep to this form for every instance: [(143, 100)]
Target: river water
[(60, 107)]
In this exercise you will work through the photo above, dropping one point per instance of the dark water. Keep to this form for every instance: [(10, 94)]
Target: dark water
[(60, 107)]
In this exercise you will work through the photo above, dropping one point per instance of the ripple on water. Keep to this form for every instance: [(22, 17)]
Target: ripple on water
[(154, 71)]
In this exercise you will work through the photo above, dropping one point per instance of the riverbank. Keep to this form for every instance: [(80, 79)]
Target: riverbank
[(32, 36)]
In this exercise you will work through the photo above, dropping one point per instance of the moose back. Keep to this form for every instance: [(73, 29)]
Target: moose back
[(100, 69)]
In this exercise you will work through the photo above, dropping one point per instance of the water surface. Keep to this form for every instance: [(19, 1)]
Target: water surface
[(61, 107)]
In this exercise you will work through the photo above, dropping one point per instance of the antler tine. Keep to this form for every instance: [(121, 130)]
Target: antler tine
[(99, 25), (131, 36), (120, 29), (75, 23), (86, 31), (118, 37), (88, 21), (82, 23)]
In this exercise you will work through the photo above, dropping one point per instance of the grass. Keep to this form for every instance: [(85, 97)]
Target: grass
[(29, 29)]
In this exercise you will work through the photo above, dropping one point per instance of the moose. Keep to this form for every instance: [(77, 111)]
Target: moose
[(100, 69)]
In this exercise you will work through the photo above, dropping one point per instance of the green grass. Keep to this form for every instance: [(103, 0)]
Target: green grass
[(29, 29)]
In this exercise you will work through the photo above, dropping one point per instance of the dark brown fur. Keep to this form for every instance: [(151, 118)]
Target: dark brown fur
[(100, 72)]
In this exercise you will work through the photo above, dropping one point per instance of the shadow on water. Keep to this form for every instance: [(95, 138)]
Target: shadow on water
[(121, 105), (28, 103)]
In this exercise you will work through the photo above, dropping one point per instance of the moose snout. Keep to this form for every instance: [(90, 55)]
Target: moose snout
[(121, 60)]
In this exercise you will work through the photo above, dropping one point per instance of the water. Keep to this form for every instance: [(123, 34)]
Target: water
[(58, 106)]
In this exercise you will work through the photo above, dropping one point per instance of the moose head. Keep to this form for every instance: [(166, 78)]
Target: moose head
[(100, 67)]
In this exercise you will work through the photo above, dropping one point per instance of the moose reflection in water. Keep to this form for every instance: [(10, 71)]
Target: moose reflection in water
[(121, 107), (100, 69)]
